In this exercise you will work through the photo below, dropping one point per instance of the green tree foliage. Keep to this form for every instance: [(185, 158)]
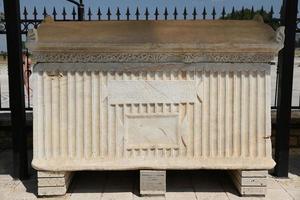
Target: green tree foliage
[(248, 14)]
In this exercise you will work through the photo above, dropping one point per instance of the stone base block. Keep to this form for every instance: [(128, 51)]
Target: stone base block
[(250, 182), (152, 182), (53, 183)]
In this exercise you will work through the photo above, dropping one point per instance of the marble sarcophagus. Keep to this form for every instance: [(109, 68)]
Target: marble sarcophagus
[(152, 95)]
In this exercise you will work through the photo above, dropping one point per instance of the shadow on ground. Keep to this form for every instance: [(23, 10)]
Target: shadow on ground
[(183, 183), (187, 184), (6, 171), (294, 164)]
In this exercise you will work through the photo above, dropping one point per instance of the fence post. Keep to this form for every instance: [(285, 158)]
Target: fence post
[(16, 88), (285, 87), (81, 11), (80, 8)]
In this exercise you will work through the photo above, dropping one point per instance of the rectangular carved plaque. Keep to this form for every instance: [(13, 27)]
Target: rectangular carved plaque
[(152, 131), (150, 91)]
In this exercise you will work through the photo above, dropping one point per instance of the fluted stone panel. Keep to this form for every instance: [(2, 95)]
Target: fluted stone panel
[(189, 116)]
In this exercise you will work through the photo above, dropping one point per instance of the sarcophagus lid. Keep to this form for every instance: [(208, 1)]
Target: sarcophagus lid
[(158, 41)]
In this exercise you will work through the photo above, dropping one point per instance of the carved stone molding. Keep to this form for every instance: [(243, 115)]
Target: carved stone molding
[(32, 35), (280, 36), (133, 68), (83, 57)]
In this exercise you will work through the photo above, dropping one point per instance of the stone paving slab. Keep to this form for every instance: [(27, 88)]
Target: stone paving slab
[(96, 185), (181, 185)]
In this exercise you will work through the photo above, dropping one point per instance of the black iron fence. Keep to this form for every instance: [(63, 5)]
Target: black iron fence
[(32, 19)]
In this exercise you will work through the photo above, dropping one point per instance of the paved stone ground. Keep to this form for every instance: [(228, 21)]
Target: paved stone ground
[(181, 185)]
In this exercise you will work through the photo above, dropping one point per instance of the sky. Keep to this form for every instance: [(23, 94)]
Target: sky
[(142, 4), (151, 4)]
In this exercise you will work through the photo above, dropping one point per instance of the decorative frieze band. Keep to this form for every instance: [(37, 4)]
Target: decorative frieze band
[(92, 57), (134, 68)]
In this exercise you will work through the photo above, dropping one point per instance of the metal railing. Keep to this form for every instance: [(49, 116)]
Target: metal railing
[(33, 20)]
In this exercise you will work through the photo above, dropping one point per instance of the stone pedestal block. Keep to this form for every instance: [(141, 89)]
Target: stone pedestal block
[(152, 182), (53, 183), (250, 182)]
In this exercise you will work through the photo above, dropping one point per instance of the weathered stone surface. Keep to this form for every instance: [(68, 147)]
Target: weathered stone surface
[(52, 191), (152, 182), (251, 173), (220, 119), (156, 41), (154, 97), (53, 183), (48, 174), (250, 182)]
